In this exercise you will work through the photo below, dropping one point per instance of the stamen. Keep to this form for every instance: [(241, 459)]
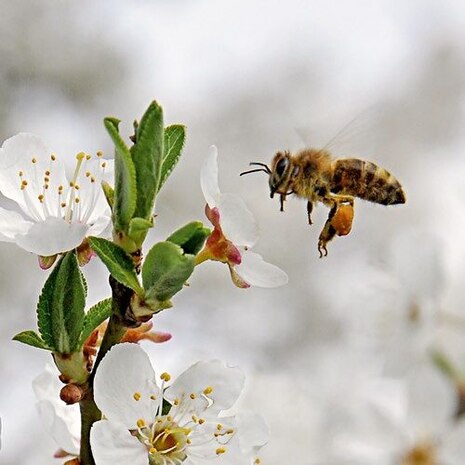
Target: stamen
[(153, 397), (137, 396), (140, 423), (53, 157), (220, 450), (41, 198), (23, 184), (192, 395), (208, 390), (165, 376)]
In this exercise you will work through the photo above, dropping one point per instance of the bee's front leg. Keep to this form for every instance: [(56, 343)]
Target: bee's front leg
[(309, 211), (282, 199)]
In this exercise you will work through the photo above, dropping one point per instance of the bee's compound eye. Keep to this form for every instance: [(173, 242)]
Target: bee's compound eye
[(281, 166)]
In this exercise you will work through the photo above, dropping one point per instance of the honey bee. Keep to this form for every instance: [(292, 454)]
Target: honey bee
[(314, 175)]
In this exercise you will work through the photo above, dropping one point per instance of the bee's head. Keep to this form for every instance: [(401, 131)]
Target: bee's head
[(280, 177)]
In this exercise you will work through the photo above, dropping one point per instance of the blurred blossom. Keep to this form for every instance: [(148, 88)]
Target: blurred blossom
[(235, 231), (139, 428), (52, 214), (61, 421), (419, 426)]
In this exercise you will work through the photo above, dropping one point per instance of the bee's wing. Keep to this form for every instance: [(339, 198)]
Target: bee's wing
[(357, 137)]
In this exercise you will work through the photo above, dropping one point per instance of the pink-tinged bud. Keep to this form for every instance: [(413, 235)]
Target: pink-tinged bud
[(60, 454), (143, 332), (46, 262), (71, 394)]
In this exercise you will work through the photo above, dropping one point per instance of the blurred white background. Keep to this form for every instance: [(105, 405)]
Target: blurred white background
[(245, 75)]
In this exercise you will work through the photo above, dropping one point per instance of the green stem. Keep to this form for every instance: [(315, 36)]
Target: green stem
[(117, 325)]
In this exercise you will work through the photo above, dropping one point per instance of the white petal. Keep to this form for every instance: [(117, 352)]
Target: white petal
[(452, 451), (16, 156), (11, 224), (52, 236), (227, 383), (252, 430), (124, 371), (58, 425), (432, 400), (100, 227), (256, 272), (237, 221), (46, 386), (209, 177), (112, 444)]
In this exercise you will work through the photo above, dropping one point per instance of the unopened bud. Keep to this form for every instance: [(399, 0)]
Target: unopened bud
[(71, 394)]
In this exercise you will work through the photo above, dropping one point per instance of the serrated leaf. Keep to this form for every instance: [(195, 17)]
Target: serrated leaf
[(31, 338), (165, 270), (118, 262), (174, 139), (147, 155), (190, 237), (96, 315), (125, 192)]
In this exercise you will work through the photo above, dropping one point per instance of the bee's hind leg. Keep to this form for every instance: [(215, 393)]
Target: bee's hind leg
[(282, 199), (328, 232)]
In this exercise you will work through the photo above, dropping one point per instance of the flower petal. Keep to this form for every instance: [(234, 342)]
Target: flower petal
[(52, 236), (256, 272), (253, 431), (11, 224), (112, 443), (209, 178), (452, 451), (237, 221), (57, 422), (125, 371), (226, 383)]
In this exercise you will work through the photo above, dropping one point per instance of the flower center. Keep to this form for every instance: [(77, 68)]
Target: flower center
[(421, 454), (47, 193), (165, 440)]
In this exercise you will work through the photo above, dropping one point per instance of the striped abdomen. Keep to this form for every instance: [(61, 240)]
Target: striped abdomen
[(367, 181)]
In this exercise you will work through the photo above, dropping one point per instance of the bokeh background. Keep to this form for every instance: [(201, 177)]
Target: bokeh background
[(254, 77)]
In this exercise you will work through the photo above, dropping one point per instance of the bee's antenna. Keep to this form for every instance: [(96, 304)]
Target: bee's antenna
[(265, 168)]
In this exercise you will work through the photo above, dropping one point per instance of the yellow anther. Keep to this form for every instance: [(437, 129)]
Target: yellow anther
[(47, 173), (192, 395), (20, 173), (80, 156), (219, 426), (53, 157), (152, 450), (99, 153), (71, 184), (257, 461), (188, 441), (137, 396), (165, 376), (88, 157), (88, 173), (23, 184), (41, 198), (153, 397), (140, 423), (63, 204), (45, 186), (76, 186), (46, 179), (194, 419), (208, 390), (77, 200), (201, 421), (176, 402), (220, 450), (169, 418), (104, 164), (34, 160), (229, 431), (92, 179)]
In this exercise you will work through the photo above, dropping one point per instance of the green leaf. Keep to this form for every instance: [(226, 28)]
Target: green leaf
[(190, 237), (174, 137), (109, 193), (147, 155), (165, 270), (96, 315), (60, 310), (31, 338), (118, 262), (125, 193), (138, 228)]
